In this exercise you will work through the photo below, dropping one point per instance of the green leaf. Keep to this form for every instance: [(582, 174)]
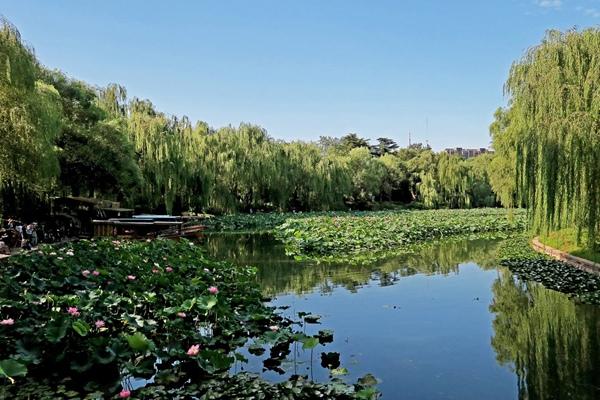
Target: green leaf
[(188, 304), (367, 393), (56, 330), (213, 361), (11, 368), (368, 380), (207, 302), (81, 327), (139, 342), (339, 371), (309, 343)]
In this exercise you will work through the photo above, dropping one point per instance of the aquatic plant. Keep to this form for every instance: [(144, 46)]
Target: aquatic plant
[(529, 265), (368, 235), (67, 334)]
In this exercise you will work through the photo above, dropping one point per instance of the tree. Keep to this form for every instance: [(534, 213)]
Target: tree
[(555, 119), (367, 174), (29, 117), (353, 141), (384, 146), (95, 155)]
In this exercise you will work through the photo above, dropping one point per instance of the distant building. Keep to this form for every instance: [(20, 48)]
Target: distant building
[(467, 153)]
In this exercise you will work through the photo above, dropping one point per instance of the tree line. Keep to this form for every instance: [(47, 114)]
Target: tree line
[(62, 136)]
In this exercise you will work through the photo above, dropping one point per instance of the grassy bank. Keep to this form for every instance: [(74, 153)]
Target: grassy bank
[(566, 240), (357, 237)]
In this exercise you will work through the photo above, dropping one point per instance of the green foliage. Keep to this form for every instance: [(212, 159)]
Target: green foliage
[(568, 241), (89, 314), (518, 255), (29, 116), (554, 132), (350, 237), (503, 164)]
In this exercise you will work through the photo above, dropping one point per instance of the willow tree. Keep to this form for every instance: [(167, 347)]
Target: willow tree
[(555, 110), (30, 119), (29, 116), (454, 180), (502, 167), (313, 180), (164, 147)]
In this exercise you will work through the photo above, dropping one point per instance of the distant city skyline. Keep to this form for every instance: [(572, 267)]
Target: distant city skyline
[(305, 69)]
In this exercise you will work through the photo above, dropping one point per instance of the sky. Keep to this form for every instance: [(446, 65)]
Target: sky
[(304, 69)]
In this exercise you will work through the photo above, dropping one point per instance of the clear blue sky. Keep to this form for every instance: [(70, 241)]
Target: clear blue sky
[(302, 69)]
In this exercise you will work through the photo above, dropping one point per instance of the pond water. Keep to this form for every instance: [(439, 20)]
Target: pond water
[(444, 323)]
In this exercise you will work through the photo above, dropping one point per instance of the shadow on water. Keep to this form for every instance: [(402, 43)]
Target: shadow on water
[(443, 323)]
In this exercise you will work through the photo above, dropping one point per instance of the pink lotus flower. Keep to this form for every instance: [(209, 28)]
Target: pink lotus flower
[(124, 394), (193, 350), (96, 273), (73, 311), (7, 322), (99, 324), (213, 290), (155, 270), (169, 269), (85, 273), (131, 277), (181, 314), (274, 328)]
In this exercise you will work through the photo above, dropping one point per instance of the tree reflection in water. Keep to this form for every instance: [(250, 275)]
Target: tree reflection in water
[(551, 342), (280, 274)]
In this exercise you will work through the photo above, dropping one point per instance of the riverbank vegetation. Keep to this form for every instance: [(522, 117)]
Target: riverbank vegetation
[(529, 265), (98, 318), (548, 136), (569, 241)]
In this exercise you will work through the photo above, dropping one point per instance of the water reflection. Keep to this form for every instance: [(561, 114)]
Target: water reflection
[(279, 274), (551, 342), (442, 323)]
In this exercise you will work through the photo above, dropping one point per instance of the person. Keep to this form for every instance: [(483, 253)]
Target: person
[(24, 237), (4, 249), (33, 236)]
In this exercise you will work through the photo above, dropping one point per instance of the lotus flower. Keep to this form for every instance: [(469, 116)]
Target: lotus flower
[(7, 322), (124, 394), (213, 290), (96, 273), (131, 277), (181, 314), (73, 311), (169, 269), (274, 328), (99, 324), (193, 350), (85, 273)]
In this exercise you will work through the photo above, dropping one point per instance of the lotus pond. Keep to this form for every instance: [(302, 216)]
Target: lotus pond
[(444, 322)]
